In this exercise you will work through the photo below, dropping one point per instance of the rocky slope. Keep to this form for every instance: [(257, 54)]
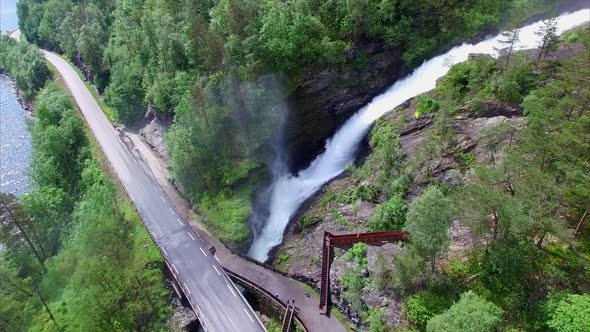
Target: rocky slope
[(338, 209), (301, 251)]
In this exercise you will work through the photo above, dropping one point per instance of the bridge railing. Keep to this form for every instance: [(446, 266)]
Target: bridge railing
[(268, 295)]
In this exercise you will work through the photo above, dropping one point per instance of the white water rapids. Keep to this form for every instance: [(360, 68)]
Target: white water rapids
[(288, 192)]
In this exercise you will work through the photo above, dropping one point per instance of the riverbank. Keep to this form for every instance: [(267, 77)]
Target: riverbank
[(27, 105)]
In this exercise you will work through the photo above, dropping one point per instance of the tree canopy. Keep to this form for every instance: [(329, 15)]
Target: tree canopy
[(471, 313)]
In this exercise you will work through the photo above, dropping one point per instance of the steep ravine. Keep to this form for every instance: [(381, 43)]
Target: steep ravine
[(327, 97), (333, 209), (289, 190)]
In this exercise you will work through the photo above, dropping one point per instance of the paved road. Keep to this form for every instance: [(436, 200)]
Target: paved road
[(213, 295)]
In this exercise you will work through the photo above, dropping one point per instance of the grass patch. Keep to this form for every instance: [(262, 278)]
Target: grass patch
[(314, 261), (341, 220), (226, 216), (310, 289), (239, 173), (340, 316)]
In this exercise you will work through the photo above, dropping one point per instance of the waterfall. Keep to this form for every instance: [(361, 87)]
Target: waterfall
[(288, 192)]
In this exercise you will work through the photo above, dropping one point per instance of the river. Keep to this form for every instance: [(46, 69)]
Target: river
[(15, 139), (8, 18), (289, 191)]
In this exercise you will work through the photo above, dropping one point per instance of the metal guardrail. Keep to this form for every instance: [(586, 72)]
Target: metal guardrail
[(267, 294), (154, 238)]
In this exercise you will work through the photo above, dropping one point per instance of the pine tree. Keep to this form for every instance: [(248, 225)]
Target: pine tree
[(549, 38), (510, 37)]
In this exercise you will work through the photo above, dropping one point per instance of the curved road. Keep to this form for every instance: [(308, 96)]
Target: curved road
[(216, 301)]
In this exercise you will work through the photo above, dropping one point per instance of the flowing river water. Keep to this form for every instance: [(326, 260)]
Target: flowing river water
[(15, 139), (288, 191)]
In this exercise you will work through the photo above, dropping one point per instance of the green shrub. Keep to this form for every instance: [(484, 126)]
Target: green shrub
[(25, 63), (226, 216), (572, 37), (307, 220), (389, 215), (426, 105), (354, 283), (352, 195), (363, 192), (468, 158), (283, 258), (455, 84), (358, 253), (514, 83), (571, 314), (471, 313), (457, 268), (410, 269), (239, 172), (272, 325), (423, 305), (341, 220), (467, 79), (328, 196), (375, 320)]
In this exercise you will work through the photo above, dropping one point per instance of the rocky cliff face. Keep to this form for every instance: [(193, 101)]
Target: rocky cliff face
[(300, 253), (327, 98), (152, 130)]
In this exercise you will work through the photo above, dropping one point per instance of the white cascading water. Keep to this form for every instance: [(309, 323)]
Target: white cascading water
[(288, 192)]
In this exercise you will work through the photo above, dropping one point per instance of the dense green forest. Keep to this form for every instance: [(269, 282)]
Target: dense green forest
[(75, 255), (524, 200), (222, 66)]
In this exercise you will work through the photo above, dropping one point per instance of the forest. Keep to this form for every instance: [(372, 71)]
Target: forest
[(221, 69), (75, 255)]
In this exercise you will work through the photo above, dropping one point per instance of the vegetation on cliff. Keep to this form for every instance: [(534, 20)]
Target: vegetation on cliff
[(517, 187), (75, 255), (222, 67)]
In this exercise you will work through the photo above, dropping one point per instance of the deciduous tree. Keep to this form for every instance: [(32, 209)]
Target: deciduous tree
[(428, 220), (471, 313)]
